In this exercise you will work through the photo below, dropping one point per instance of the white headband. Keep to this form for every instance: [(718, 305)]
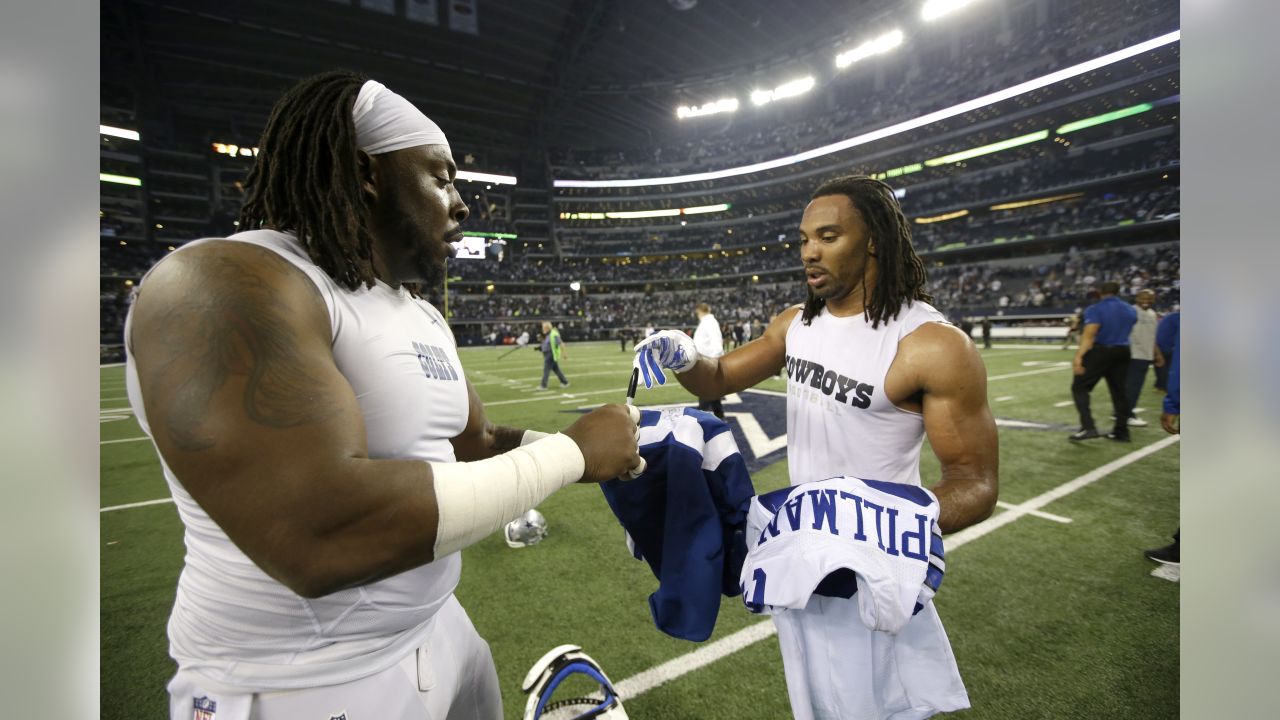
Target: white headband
[(386, 122)]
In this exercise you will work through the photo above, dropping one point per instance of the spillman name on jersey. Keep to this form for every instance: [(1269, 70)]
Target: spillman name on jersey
[(840, 536)]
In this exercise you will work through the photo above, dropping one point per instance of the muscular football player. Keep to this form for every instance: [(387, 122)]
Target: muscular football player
[(872, 370), (325, 450)]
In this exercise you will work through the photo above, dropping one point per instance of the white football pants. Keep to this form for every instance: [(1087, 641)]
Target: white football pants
[(450, 677)]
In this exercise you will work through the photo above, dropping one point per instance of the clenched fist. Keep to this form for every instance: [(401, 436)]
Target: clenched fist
[(608, 437)]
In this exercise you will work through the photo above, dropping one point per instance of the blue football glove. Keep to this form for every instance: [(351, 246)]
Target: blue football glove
[(669, 349)]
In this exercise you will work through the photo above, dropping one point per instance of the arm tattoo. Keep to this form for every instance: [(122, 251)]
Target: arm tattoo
[(239, 329)]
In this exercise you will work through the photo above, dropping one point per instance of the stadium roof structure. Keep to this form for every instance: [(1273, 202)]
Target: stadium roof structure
[(601, 73)]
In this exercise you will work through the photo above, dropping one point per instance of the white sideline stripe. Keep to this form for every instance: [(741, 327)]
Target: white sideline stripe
[(649, 679), (144, 503), (653, 677), (111, 365), (1037, 513), (1172, 573), (1025, 373), (614, 391), (123, 397), (1065, 403), (1004, 398), (124, 440), (998, 521)]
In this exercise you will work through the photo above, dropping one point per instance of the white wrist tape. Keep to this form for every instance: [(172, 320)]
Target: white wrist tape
[(531, 436), (474, 499)]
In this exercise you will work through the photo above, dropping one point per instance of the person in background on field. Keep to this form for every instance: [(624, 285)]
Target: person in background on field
[(1103, 353), (709, 342), (1169, 335), (552, 354), (1143, 351)]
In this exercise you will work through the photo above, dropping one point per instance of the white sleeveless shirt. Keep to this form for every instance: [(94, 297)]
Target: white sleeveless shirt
[(839, 420), (242, 630)]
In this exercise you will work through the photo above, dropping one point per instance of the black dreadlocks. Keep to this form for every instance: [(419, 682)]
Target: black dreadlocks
[(900, 277), (306, 178)]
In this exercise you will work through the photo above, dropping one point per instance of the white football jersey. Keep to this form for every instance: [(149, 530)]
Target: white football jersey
[(884, 535), (244, 631)]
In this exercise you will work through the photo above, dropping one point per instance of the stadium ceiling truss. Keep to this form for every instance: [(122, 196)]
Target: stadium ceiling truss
[(572, 72)]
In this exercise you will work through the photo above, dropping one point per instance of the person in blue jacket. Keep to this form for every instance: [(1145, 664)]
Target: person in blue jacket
[(1168, 335)]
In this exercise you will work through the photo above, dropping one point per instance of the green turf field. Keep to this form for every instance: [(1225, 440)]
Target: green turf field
[(1047, 619)]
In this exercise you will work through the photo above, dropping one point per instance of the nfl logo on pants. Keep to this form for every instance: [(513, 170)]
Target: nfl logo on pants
[(205, 708)]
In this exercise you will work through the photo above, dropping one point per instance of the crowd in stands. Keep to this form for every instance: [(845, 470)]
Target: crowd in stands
[(606, 316), (1041, 171), (766, 254), (1061, 284), (1056, 285), (1046, 173), (978, 66), (1050, 219)]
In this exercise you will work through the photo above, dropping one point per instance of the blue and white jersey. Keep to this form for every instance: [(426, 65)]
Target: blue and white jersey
[(840, 537), (686, 516), (848, 569)]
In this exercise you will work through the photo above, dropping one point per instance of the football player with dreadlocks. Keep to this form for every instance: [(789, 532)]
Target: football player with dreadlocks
[(324, 448), (872, 370)]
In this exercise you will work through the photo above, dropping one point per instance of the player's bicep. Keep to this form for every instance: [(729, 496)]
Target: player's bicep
[(232, 347), (957, 417)]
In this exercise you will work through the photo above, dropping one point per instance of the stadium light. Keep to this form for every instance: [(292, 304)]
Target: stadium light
[(934, 9), (941, 218), (119, 132), (629, 214), (1103, 118), (899, 171), (988, 149), (705, 209), (785, 90), (633, 214), (890, 131), (119, 179), (1036, 201), (882, 44), (711, 108), (234, 150), (486, 177)]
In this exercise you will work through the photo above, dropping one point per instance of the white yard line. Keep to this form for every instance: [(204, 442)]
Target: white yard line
[(1172, 573), (613, 391), (1025, 373), (687, 663), (1036, 513), (144, 503), (711, 652), (1004, 398), (124, 440), (998, 521), (1065, 403)]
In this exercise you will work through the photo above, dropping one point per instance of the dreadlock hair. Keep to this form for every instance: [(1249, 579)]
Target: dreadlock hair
[(900, 276), (306, 177)]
